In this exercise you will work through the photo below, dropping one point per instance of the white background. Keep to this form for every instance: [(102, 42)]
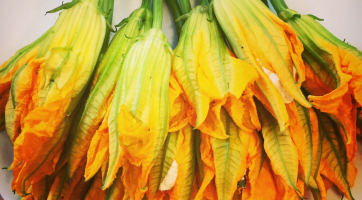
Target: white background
[(23, 21)]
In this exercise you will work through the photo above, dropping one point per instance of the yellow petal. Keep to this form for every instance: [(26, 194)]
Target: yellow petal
[(179, 107), (186, 161)]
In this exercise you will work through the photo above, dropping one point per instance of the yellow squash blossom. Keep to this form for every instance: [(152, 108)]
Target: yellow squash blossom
[(59, 79), (145, 107), (139, 116), (332, 71), (334, 61), (101, 95), (207, 71), (260, 38)]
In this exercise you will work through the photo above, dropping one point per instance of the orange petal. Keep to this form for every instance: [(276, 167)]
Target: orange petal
[(253, 148), (351, 61), (63, 186), (40, 189), (98, 151), (265, 188), (130, 181), (80, 190), (338, 104), (208, 165), (213, 125), (9, 68), (243, 111), (94, 192)]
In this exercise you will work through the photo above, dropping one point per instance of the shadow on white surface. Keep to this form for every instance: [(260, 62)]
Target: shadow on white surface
[(6, 158)]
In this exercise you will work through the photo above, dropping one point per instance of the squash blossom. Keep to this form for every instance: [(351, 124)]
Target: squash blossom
[(46, 90), (138, 121), (101, 95), (332, 71), (260, 38), (334, 62), (207, 71), (141, 99)]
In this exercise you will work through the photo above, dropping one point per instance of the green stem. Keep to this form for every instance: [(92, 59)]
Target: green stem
[(279, 5), (176, 13), (107, 6), (157, 14), (146, 4), (185, 6), (204, 2)]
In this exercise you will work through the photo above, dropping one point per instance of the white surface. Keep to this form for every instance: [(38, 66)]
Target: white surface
[(21, 22)]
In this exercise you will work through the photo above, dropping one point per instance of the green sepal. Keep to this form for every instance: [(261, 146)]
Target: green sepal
[(64, 6), (122, 23), (288, 14), (143, 37), (315, 17), (183, 17), (105, 15)]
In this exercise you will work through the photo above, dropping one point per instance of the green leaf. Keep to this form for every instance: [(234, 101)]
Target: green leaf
[(108, 72)]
